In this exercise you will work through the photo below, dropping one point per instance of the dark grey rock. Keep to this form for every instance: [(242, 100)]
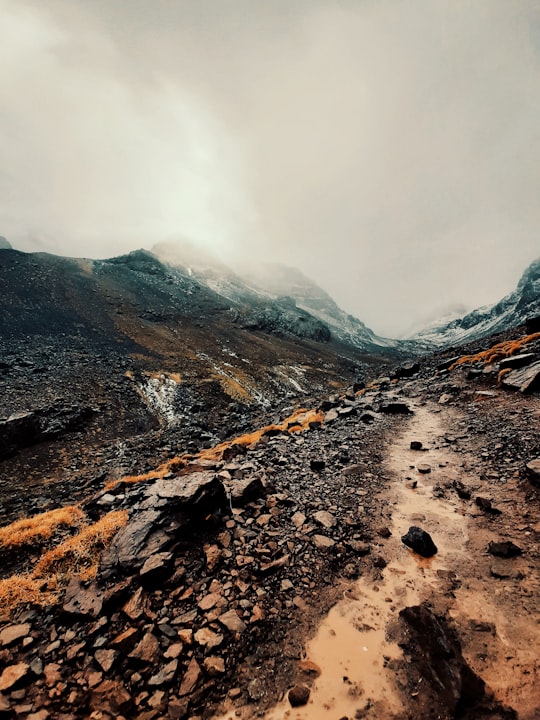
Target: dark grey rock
[(486, 505), (420, 541), (504, 549), (246, 491), (156, 567), (517, 361), (395, 407), (463, 492), (408, 370), (435, 658)]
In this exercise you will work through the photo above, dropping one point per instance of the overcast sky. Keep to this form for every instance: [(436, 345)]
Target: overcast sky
[(388, 148)]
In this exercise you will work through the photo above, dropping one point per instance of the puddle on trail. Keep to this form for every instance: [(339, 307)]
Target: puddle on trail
[(350, 646)]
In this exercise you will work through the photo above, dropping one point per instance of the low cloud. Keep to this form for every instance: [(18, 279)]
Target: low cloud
[(387, 149)]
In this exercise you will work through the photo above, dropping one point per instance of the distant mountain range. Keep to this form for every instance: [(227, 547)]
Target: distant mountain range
[(273, 285), (516, 308), (269, 298), (274, 289)]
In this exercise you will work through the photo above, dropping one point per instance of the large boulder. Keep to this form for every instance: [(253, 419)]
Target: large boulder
[(526, 380), (28, 428), (170, 508)]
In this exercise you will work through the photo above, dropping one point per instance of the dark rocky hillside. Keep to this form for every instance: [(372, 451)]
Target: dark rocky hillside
[(212, 509), (117, 355), (288, 566)]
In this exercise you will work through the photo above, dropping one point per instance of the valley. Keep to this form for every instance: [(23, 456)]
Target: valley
[(205, 518)]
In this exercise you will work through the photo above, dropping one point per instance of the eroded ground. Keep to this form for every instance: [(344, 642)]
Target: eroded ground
[(493, 603), (307, 582)]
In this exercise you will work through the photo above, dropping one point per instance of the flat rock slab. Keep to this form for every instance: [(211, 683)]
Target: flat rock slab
[(517, 361), (190, 679), (199, 489), (232, 622), (324, 518), (526, 379), (13, 674), (82, 600), (12, 633), (322, 542)]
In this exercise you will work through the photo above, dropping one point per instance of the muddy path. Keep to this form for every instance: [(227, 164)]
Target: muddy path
[(354, 665)]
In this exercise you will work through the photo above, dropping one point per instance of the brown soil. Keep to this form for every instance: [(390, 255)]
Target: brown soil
[(363, 670), (339, 607)]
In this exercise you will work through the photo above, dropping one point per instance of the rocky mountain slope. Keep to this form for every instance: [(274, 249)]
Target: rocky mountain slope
[(107, 357), (203, 587), (267, 285), (516, 308)]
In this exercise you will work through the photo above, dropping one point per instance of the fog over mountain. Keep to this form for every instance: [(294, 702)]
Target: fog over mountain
[(388, 150)]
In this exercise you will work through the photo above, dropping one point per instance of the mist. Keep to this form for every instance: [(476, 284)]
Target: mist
[(389, 150)]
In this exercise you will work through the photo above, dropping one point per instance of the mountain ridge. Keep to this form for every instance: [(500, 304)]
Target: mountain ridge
[(515, 308)]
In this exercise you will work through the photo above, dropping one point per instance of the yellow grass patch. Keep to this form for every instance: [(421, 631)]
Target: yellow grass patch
[(497, 352), (298, 422), (502, 373), (78, 555), (23, 590), (40, 527), (233, 388), (81, 552)]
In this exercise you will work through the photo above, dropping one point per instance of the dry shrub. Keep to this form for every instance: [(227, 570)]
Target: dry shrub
[(502, 373), (81, 552), (78, 555), (497, 352), (23, 590), (40, 527)]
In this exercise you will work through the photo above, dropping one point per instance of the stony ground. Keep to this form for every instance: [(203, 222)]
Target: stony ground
[(214, 598)]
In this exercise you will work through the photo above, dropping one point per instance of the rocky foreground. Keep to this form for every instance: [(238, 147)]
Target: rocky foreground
[(203, 584)]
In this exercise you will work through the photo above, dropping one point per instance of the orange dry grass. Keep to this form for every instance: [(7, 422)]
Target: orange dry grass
[(23, 590), (298, 422), (498, 351), (81, 552), (28, 530), (502, 373), (79, 555)]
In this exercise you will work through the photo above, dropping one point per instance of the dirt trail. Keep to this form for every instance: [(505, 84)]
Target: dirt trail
[(500, 638)]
